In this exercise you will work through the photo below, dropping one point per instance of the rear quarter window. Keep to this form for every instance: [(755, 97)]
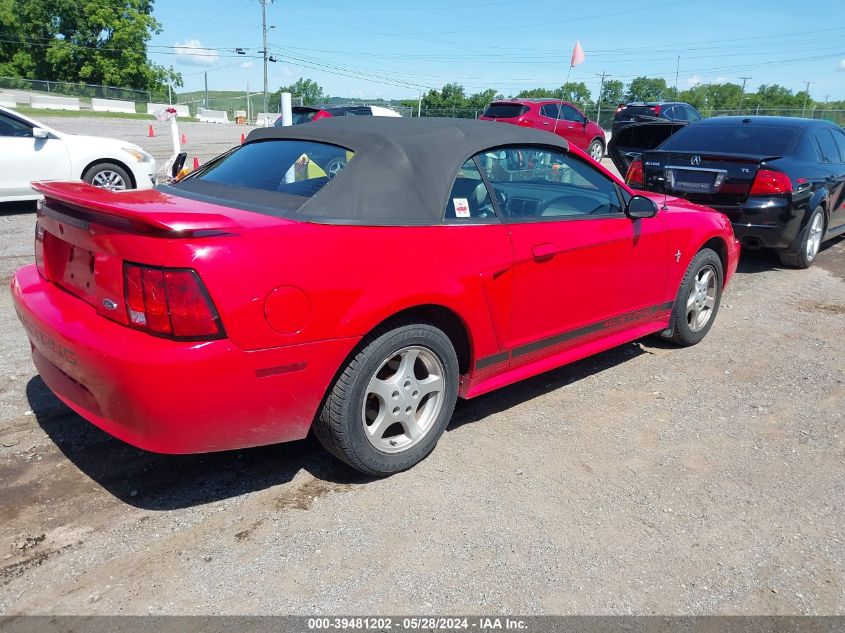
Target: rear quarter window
[(273, 177), (741, 138), (505, 110)]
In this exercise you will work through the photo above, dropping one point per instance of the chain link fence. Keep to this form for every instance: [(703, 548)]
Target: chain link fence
[(67, 89)]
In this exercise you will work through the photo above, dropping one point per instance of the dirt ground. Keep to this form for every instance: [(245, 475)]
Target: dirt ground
[(644, 480)]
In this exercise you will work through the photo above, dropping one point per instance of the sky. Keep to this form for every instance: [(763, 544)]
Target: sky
[(368, 49)]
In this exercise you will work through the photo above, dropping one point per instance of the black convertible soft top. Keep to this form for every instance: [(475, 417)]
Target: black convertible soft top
[(403, 169)]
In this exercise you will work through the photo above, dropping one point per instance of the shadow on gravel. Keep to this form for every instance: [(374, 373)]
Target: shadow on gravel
[(764, 260), (479, 408), (168, 482)]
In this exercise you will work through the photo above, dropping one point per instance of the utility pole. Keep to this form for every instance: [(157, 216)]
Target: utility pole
[(806, 96), (205, 101), (742, 94), (598, 101), (419, 105), (264, 30)]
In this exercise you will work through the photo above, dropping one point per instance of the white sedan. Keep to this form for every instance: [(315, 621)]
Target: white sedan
[(32, 151)]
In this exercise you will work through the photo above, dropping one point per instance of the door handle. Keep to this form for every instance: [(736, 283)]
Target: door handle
[(546, 123), (543, 252)]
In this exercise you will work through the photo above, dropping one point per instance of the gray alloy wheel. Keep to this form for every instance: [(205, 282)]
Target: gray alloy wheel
[(392, 400), (404, 398), (108, 176), (701, 299), (811, 241), (596, 150)]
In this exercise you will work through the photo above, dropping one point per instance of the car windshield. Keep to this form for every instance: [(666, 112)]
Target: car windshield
[(733, 138), (504, 110), (272, 177)]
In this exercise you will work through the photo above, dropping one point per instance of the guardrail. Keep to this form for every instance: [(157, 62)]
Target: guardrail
[(212, 116), (266, 119), (54, 103), (111, 105)]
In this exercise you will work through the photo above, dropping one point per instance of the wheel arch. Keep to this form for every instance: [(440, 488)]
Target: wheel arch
[(110, 161), (718, 245), (445, 319)]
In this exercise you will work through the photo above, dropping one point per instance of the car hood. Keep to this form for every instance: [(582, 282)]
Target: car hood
[(674, 203), (629, 142), (98, 142)]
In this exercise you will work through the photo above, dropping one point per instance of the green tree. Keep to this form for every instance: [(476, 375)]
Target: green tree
[(309, 90), (612, 93), (574, 92), (647, 89), (85, 41)]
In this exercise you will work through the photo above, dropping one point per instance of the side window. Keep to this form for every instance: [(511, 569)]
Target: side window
[(839, 139), (668, 113), (692, 115), (536, 183), (550, 110), (568, 113), (469, 200), (13, 127), (830, 153)]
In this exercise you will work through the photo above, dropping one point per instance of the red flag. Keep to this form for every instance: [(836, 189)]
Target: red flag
[(578, 56)]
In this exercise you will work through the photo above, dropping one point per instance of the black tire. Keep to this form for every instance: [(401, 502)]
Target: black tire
[(103, 168), (339, 426), (801, 258), (590, 151), (682, 332)]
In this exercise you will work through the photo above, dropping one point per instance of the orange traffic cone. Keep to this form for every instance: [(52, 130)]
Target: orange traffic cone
[(184, 139), (151, 133), (196, 163), (243, 138)]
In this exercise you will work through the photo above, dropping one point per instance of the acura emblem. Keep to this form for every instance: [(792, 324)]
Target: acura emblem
[(695, 160)]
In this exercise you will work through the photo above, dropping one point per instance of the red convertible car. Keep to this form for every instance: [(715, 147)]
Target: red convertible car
[(259, 298)]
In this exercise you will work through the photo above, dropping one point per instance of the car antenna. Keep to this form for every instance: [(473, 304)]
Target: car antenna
[(665, 207)]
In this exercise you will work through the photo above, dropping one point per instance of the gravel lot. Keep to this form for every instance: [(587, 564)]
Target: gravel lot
[(644, 480)]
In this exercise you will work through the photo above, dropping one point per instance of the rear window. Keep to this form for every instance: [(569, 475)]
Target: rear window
[(302, 116), (505, 110), (637, 111), (741, 138), (274, 177)]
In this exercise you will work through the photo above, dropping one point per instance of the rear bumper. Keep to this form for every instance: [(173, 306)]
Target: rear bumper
[(765, 223), (168, 396)]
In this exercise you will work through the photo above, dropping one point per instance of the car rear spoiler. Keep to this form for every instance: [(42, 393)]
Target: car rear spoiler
[(632, 140), (147, 211)]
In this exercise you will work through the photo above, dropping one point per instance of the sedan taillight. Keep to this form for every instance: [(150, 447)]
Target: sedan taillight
[(768, 182), (635, 176), (170, 302)]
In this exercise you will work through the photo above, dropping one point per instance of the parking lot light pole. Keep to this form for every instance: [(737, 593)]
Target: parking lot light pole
[(806, 96)]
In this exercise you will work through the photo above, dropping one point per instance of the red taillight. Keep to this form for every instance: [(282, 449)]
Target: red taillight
[(620, 108), (169, 302), (656, 110), (635, 176), (768, 182)]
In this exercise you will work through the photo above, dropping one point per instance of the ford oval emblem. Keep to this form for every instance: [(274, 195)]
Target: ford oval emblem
[(108, 304), (695, 160)]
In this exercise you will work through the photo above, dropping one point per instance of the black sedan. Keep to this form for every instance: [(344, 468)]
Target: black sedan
[(780, 180)]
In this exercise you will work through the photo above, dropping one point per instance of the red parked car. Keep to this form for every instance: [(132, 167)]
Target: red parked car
[(258, 298), (551, 115)]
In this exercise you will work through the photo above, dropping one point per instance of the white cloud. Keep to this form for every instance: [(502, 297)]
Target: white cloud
[(842, 65), (693, 81), (193, 53), (720, 80), (248, 64)]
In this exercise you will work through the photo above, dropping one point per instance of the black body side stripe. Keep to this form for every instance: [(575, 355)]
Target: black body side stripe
[(495, 359), (557, 339)]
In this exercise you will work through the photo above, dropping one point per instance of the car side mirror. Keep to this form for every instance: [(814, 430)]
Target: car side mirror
[(40, 132), (641, 207)]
